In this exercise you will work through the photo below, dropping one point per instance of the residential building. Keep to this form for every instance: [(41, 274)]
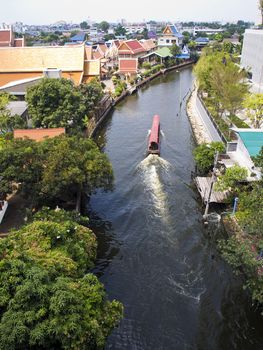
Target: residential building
[(252, 57), (7, 38), (170, 36)]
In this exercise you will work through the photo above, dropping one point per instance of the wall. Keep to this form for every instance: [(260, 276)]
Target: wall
[(252, 55)]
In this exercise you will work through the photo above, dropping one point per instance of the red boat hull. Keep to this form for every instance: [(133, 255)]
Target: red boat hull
[(154, 138)]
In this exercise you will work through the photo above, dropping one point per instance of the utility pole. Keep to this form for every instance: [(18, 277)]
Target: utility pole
[(213, 180)]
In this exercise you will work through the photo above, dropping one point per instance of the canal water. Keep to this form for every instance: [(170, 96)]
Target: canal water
[(154, 254)]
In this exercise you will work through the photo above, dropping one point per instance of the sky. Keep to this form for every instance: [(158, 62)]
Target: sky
[(51, 11)]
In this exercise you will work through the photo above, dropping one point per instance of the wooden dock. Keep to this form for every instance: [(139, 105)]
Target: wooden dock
[(203, 185)]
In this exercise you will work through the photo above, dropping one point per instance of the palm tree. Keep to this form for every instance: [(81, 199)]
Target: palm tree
[(261, 10)]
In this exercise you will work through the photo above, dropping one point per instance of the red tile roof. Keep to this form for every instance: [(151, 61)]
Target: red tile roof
[(38, 134), (128, 65), (131, 47)]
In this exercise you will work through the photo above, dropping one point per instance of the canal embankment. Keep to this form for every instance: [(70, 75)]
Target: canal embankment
[(204, 127)]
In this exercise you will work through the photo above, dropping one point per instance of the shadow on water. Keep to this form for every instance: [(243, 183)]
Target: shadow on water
[(155, 255)]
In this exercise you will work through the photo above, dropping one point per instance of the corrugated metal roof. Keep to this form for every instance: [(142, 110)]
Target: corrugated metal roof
[(78, 37)]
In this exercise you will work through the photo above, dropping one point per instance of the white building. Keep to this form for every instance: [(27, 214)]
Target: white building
[(252, 57), (170, 36), (247, 145)]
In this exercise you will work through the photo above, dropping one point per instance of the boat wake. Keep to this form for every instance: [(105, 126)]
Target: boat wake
[(151, 170)]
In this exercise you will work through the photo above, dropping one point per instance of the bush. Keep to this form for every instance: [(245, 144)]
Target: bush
[(204, 155), (146, 65)]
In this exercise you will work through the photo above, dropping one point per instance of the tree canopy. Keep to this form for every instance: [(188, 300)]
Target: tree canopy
[(104, 26), (58, 103), (222, 79), (254, 107), (55, 169), (175, 50), (48, 298)]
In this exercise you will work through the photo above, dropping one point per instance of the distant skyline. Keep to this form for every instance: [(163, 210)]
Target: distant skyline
[(51, 11)]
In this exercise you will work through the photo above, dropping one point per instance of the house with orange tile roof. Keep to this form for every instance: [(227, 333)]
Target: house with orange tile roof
[(38, 134), (8, 39), (73, 62)]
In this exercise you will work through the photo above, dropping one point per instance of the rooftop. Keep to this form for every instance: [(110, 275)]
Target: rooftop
[(38, 134), (36, 59), (252, 139)]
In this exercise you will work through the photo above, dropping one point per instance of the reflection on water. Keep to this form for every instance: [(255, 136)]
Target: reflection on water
[(154, 253)]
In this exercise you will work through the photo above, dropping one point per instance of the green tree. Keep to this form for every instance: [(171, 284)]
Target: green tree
[(219, 37), (56, 169), (48, 298), (120, 30), (175, 50), (104, 26), (250, 210), (55, 103), (192, 45), (254, 105), (91, 93), (222, 79), (204, 154), (231, 179), (84, 25)]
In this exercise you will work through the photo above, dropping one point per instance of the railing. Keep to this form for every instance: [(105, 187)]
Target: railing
[(212, 119)]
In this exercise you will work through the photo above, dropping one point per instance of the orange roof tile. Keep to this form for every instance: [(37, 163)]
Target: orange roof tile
[(38, 134), (88, 52), (32, 59)]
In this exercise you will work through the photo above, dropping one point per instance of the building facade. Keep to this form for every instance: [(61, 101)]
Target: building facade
[(252, 57), (170, 36)]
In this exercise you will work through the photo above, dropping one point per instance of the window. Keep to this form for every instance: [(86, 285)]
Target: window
[(167, 41)]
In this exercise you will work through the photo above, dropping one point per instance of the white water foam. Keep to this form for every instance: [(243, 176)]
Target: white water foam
[(149, 170)]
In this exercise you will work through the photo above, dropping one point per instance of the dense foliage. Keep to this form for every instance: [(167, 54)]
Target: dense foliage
[(250, 213), (55, 169), (242, 254), (254, 107), (219, 76), (231, 178), (48, 298), (58, 103), (204, 154)]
